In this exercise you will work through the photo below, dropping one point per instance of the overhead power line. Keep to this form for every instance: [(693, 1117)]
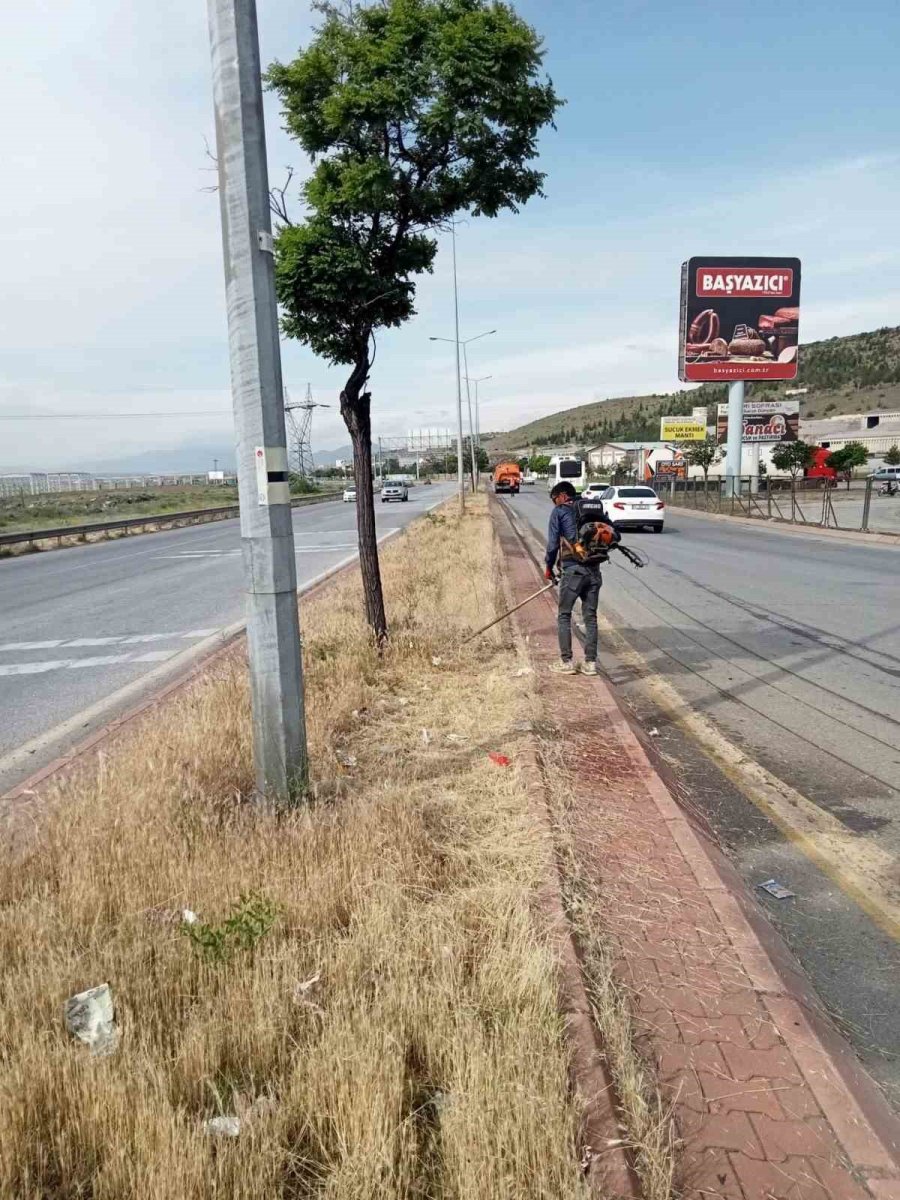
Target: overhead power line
[(102, 416)]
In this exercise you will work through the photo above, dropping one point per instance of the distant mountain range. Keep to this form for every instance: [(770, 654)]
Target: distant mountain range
[(852, 374), (190, 457)]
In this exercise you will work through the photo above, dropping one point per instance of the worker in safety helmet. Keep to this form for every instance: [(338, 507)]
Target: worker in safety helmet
[(579, 577)]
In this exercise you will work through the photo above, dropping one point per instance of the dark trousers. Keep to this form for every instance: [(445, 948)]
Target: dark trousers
[(578, 583)]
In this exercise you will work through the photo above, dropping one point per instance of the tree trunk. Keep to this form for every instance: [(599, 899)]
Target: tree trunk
[(356, 411)]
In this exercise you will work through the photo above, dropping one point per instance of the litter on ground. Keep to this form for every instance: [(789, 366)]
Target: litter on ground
[(776, 889)]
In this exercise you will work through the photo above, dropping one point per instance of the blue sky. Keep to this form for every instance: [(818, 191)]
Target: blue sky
[(689, 128)]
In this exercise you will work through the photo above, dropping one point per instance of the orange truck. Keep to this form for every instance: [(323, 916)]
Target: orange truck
[(507, 477)]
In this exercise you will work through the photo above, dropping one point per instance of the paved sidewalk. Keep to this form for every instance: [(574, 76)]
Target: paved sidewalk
[(768, 1100)]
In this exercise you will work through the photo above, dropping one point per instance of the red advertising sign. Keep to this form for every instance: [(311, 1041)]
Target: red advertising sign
[(740, 319)]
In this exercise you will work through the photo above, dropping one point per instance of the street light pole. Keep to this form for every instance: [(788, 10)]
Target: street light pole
[(273, 633), (481, 379), (459, 419), (471, 423), (464, 344)]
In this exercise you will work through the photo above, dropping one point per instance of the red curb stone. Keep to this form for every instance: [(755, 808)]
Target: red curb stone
[(884, 1189), (729, 1131), (746, 1063), (706, 1056), (837, 1183), (812, 1138), (791, 1180), (730, 1095), (711, 1176), (713, 1029)]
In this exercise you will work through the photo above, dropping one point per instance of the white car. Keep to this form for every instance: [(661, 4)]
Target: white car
[(634, 506), (394, 489), (350, 494)]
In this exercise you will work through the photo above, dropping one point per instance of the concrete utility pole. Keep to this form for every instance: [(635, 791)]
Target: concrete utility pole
[(273, 632), (735, 438)]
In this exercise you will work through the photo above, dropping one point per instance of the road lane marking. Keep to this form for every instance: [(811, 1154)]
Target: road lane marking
[(197, 554), (31, 645), (99, 660), (862, 870), (122, 639), (37, 668), (77, 664)]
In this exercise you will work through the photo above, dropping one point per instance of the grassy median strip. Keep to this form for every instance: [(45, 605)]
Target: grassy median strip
[(366, 987)]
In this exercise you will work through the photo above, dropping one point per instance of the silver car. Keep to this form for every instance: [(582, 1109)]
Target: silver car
[(394, 490)]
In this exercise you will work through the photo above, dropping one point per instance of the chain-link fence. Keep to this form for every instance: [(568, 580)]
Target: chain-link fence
[(865, 505)]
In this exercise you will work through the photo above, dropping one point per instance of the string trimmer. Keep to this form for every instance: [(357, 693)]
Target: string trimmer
[(635, 557)]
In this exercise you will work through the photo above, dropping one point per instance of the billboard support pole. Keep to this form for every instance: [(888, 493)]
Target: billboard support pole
[(735, 437), (754, 469)]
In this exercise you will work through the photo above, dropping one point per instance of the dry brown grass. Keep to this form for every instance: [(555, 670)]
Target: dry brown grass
[(429, 1058)]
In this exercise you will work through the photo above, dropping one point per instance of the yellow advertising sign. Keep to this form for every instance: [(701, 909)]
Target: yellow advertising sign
[(681, 429)]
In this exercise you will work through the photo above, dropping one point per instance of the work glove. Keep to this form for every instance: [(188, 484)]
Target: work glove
[(550, 575)]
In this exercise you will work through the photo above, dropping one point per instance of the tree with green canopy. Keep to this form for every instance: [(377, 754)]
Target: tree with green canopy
[(412, 111), (702, 454), (851, 455), (795, 457)]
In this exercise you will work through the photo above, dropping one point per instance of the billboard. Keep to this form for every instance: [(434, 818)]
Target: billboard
[(740, 319), (765, 421), (681, 429), (671, 470)]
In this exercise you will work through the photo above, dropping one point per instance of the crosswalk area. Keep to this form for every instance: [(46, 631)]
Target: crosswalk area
[(26, 658)]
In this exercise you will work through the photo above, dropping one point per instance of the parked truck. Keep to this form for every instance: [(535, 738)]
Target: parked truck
[(507, 477)]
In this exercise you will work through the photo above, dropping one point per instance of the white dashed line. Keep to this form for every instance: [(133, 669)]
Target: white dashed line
[(78, 664), (31, 645), (99, 660), (122, 639), (37, 668)]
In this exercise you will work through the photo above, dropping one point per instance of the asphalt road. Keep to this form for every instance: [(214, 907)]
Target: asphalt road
[(790, 646), (77, 625)]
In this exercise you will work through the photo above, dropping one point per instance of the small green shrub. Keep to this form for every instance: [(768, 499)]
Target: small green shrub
[(251, 918)]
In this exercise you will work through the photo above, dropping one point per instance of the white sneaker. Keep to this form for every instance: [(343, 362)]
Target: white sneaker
[(564, 668), (589, 668)]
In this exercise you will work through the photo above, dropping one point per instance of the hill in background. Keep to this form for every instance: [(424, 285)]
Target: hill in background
[(851, 374)]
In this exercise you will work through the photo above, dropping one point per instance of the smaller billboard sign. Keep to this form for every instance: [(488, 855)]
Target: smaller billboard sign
[(681, 429), (671, 470), (740, 319), (765, 421)]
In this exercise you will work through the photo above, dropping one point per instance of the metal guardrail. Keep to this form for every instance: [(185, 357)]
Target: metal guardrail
[(197, 517), (796, 502)]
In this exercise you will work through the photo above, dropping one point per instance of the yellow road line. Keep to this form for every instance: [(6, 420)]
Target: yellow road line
[(863, 871)]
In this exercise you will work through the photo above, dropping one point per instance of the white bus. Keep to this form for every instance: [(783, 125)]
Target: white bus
[(566, 468)]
